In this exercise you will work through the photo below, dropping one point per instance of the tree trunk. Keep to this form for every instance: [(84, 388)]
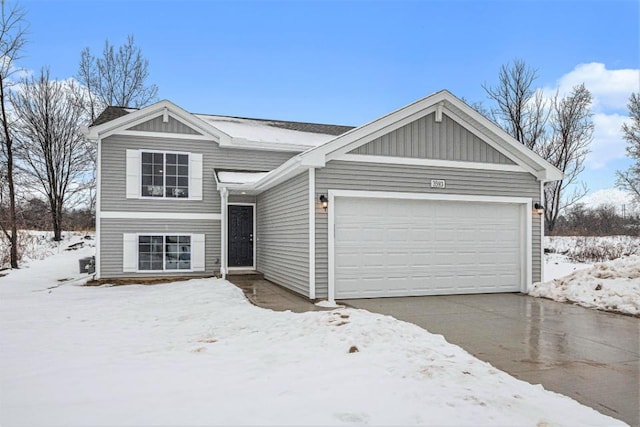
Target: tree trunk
[(13, 239)]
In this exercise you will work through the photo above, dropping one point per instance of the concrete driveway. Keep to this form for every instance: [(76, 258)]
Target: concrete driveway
[(591, 356)]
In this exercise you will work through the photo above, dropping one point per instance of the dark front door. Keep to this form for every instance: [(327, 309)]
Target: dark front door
[(240, 236)]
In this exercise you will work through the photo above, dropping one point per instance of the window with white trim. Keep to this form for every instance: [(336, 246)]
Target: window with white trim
[(164, 252), (165, 174)]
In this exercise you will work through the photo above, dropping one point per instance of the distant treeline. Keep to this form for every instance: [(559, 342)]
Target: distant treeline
[(604, 220), (35, 214)]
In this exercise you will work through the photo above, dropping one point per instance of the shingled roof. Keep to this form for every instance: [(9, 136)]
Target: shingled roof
[(112, 113)]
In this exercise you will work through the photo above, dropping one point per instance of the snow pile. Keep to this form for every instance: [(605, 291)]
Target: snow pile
[(197, 353), (611, 286), (37, 245)]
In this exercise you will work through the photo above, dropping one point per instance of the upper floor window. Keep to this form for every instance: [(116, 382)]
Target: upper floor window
[(165, 174)]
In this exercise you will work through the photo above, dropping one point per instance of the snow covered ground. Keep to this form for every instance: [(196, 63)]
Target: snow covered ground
[(197, 353)]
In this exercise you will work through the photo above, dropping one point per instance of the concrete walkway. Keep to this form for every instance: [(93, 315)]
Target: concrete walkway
[(268, 295), (591, 356)]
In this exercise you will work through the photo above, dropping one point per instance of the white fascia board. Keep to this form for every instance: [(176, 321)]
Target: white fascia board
[(553, 173), (380, 123), (152, 111)]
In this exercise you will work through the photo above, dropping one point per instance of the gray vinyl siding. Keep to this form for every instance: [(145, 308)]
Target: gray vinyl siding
[(172, 126), (113, 171), (111, 243), (427, 139), (283, 234), (415, 179)]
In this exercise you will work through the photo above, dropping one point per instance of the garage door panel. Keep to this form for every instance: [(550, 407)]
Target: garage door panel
[(386, 247)]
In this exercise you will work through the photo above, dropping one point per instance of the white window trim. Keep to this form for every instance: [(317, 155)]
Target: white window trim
[(164, 175), (164, 270), (526, 224), (255, 239)]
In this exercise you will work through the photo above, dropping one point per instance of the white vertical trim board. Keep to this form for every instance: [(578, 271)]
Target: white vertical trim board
[(224, 194), (331, 249), (98, 207), (255, 239), (542, 225), (525, 223), (312, 233)]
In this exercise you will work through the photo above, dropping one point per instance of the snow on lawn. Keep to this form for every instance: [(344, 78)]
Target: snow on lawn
[(197, 353), (611, 286)]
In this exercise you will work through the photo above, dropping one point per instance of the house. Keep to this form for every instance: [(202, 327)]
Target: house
[(432, 198)]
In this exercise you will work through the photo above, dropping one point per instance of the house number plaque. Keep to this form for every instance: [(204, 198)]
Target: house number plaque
[(438, 183)]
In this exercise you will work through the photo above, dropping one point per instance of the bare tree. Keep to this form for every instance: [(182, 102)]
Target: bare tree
[(117, 78), (630, 179), (12, 40), (50, 145), (521, 109), (572, 130)]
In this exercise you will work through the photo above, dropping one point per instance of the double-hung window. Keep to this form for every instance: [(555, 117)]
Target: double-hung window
[(164, 252), (165, 175)]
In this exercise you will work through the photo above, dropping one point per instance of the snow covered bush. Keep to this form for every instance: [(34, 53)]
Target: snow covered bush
[(36, 245), (591, 249)]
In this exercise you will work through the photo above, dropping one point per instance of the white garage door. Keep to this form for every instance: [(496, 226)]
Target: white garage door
[(399, 247)]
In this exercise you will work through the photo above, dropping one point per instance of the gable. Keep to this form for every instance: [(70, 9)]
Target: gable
[(425, 138), (159, 125)]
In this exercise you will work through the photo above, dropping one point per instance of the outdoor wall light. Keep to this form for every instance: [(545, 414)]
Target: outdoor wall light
[(324, 202), (538, 208)]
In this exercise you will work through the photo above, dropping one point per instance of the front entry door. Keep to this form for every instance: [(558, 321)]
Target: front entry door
[(240, 236)]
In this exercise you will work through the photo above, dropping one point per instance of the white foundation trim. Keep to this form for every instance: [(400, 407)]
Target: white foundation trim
[(526, 224), (159, 215)]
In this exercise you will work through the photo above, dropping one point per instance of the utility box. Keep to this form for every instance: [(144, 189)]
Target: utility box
[(87, 265)]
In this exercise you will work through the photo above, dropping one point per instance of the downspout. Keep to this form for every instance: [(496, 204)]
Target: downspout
[(224, 198)]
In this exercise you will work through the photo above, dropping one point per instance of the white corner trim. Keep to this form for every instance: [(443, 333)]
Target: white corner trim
[(312, 233), (542, 225), (365, 158), (159, 215), (98, 205), (526, 224)]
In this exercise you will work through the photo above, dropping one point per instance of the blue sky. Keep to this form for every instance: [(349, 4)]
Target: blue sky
[(350, 62)]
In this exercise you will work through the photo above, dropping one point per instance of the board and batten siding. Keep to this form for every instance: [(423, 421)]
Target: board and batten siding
[(111, 243), (427, 139), (113, 171), (340, 175), (283, 234), (171, 126)]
